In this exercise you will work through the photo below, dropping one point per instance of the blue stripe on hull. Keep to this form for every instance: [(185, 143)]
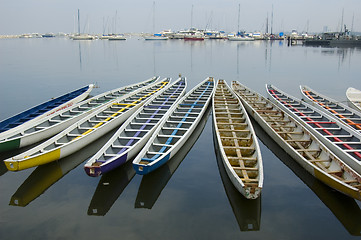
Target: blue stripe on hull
[(145, 169), (38, 110)]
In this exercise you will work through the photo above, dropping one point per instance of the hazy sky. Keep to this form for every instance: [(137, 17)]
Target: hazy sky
[(41, 16)]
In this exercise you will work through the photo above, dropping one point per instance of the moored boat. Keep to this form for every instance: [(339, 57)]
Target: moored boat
[(342, 140), (152, 184), (354, 98), (45, 109), (303, 146), (135, 132), (156, 37), (40, 130), (174, 131), (86, 130), (240, 38), (117, 38), (345, 114), (237, 142)]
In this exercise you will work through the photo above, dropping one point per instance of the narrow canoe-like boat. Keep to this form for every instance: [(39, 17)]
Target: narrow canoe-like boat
[(86, 130), (175, 130), (136, 131), (247, 212), (237, 142), (354, 98), (40, 130), (45, 109), (343, 140), (343, 207), (338, 110), (152, 184), (304, 147), (44, 176)]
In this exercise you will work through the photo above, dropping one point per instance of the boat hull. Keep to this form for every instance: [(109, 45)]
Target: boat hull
[(354, 98), (255, 111), (43, 110), (331, 138), (134, 127), (178, 135), (77, 136), (237, 143)]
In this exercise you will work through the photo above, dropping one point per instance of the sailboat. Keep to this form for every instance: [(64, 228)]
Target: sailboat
[(80, 36), (239, 36), (155, 36), (116, 36)]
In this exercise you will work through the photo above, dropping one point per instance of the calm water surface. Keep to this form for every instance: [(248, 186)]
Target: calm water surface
[(190, 197)]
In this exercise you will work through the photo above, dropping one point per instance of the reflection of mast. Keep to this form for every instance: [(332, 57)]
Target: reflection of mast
[(80, 63), (238, 61), (246, 211), (154, 64), (268, 55), (345, 209), (153, 183)]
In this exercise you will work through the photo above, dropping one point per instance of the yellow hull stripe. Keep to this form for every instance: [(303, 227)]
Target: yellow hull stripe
[(29, 162), (126, 106), (336, 185)]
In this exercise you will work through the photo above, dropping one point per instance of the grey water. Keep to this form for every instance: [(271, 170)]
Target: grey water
[(190, 197)]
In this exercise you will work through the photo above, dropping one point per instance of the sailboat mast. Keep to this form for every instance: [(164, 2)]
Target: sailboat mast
[(267, 23), (272, 21), (239, 13), (353, 16), (78, 22), (342, 20), (192, 17), (153, 16)]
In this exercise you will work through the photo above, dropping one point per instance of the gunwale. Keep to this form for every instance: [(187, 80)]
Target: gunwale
[(29, 134), (300, 143), (44, 109), (345, 114), (237, 142), (174, 130), (86, 130), (134, 133), (343, 140)]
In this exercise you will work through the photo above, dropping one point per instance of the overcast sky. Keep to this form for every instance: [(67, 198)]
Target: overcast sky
[(98, 16)]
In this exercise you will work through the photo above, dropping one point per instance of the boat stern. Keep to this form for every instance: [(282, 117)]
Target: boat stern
[(25, 162), (93, 171)]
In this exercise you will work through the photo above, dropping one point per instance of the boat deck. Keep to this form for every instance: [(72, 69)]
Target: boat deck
[(300, 140), (330, 129), (338, 110), (237, 139)]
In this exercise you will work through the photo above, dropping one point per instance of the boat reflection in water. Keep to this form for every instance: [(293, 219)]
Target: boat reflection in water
[(153, 183), (246, 211), (45, 176), (345, 208), (109, 188)]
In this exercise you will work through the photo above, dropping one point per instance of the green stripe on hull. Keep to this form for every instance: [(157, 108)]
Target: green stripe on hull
[(10, 145)]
